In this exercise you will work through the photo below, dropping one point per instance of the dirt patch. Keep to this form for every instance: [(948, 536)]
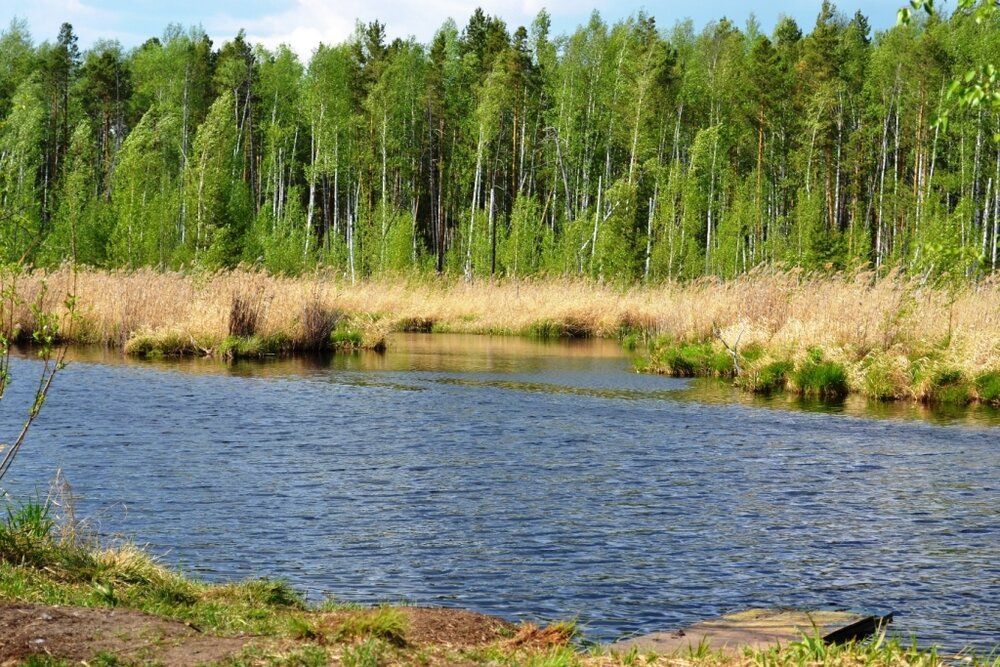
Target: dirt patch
[(454, 627), (78, 634)]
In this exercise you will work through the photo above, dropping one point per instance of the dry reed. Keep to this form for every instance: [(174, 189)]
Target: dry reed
[(848, 317)]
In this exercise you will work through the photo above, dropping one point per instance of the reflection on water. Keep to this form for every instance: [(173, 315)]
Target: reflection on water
[(717, 392), (531, 480)]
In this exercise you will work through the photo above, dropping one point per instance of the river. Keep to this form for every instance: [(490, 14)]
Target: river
[(535, 481)]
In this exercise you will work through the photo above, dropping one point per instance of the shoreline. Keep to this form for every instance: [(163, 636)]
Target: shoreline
[(67, 600), (887, 339)]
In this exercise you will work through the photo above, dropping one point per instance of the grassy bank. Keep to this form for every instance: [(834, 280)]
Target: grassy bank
[(892, 338), (64, 600)]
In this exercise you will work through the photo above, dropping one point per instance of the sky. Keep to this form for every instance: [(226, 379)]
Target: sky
[(302, 24)]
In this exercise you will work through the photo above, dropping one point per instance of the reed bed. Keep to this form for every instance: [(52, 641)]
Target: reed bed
[(894, 324)]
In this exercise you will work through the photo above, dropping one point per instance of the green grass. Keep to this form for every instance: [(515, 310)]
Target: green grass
[(765, 378), (346, 337), (369, 653), (40, 563), (160, 344), (818, 378), (948, 386), (883, 377), (254, 347), (988, 387), (687, 359), (567, 328), (383, 623)]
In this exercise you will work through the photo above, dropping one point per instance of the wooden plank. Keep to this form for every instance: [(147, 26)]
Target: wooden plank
[(759, 629)]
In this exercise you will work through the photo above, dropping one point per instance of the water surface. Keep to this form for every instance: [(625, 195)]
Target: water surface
[(533, 481)]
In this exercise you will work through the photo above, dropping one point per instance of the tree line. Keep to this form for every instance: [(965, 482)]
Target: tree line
[(620, 152)]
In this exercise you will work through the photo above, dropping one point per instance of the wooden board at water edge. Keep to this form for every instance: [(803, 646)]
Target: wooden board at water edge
[(759, 629)]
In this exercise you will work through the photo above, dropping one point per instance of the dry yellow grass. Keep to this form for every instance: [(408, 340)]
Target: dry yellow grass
[(786, 312)]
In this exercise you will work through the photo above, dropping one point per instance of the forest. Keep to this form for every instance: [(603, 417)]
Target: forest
[(624, 153)]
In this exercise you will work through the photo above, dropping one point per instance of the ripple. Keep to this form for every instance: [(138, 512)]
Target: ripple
[(536, 485)]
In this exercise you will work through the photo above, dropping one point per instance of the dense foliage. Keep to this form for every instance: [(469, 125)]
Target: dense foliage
[(622, 152)]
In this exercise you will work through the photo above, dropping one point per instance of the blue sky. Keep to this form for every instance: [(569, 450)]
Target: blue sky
[(304, 23)]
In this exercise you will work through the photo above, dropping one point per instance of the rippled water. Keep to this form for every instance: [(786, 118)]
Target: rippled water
[(531, 481)]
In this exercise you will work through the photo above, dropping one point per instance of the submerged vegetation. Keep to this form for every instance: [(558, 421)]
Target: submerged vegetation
[(67, 600)]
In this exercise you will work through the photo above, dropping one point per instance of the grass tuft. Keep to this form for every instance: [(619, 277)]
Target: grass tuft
[(687, 359), (368, 653), (988, 387), (318, 323), (765, 376), (254, 347), (819, 378), (382, 623), (156, 345), (567, 327), (950, 389), (245, 311)]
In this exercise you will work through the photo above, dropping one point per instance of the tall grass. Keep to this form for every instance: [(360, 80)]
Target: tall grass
[(785, 314)]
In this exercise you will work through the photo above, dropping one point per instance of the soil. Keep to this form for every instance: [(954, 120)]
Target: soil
[(78, 634), (453, 627)]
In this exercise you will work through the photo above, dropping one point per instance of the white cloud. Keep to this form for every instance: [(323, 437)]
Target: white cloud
[(309, 22)]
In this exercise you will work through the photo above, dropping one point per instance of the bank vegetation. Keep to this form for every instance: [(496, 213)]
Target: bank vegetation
[(896, 337), (66, 598)]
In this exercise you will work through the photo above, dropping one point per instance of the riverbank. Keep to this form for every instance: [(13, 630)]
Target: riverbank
[(893, 338), (66, 600)]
